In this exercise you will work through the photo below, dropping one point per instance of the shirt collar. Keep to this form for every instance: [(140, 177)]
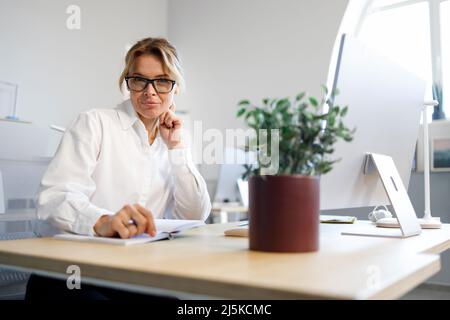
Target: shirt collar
[(127, 114)]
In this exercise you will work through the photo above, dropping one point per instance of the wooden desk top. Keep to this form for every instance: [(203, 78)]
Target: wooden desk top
[(204, 261)]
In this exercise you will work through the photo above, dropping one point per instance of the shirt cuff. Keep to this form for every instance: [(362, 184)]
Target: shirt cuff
[(86, 220)]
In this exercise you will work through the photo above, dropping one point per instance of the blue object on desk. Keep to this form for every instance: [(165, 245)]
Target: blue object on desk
[(14, 118)]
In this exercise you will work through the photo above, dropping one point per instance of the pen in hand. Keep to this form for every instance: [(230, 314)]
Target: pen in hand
[(132, 222), (129, 221)]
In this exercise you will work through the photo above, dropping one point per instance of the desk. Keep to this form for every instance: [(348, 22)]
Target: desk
[(203, 261)]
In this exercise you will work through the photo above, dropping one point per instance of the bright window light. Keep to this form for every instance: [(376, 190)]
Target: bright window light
[(403, 35), (383, 3), (445, 36)]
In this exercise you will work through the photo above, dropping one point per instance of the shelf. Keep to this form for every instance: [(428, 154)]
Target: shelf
[(17, 121)]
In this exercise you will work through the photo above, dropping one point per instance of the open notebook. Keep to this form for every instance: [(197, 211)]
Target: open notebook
[(165, 229)]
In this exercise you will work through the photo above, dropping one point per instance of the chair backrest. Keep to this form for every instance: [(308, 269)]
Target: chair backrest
[(25, 153)]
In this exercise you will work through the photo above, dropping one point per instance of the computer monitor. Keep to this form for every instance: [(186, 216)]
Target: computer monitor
[(385, 103), (230, 187), (227, 184)]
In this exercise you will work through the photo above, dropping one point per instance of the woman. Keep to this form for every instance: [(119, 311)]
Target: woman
[(118, 169), (127, 163)]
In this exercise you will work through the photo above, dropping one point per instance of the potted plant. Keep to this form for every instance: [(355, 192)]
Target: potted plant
[(284, 205)]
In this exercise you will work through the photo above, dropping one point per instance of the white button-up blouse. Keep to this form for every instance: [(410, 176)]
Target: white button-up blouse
[(105, 161)]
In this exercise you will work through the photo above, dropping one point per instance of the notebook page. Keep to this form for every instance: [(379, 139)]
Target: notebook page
[(174, 225)]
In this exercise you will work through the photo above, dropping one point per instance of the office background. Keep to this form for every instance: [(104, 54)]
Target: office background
[(230, 50)]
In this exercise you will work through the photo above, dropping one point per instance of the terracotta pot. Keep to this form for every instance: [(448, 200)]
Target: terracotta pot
[(284, 213)]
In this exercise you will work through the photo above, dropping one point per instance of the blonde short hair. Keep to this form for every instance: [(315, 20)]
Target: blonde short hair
[(157, 47)]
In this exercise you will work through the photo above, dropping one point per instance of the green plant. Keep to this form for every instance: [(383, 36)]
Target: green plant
[(304, 140)]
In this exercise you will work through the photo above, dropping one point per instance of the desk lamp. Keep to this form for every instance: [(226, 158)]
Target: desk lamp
[(427, 222), (2, 196)]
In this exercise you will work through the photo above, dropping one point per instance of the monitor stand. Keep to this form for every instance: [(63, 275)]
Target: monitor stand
[(398, 196)]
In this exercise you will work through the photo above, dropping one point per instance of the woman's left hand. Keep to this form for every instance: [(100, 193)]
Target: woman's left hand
[(170, 128)]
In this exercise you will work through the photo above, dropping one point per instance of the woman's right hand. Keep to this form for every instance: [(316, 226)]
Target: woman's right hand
[(118, 224)]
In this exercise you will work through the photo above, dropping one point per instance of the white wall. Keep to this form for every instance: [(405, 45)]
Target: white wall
[(230, 50), (61, 72), (253, 49)]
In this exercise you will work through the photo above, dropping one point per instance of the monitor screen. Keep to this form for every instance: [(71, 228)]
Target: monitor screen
[(385, 103)]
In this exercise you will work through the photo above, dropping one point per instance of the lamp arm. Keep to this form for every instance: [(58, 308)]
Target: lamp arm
[(426, 158)]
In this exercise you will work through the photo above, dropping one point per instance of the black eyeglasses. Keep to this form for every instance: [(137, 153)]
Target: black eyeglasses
[(140, 84)]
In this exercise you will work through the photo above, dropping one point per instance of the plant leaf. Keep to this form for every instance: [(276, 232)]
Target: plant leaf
[(240, 112), (313, 101), (244, 103), (300, 96), (307, 134)]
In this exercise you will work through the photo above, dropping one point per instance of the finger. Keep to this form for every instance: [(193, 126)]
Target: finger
[(173, 117), (124, 214), (133, 220), (151, 227), (132, 230), (177, 123), (163, 115), (161, 118), (168, 122), (119, 227), (139, 219), (170, 118), (167, 118)]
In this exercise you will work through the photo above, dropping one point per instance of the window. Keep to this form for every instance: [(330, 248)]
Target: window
[(385, 3), (413, 33), (445, 38)]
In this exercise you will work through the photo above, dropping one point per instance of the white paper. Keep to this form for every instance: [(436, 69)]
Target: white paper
[(164, 228)]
